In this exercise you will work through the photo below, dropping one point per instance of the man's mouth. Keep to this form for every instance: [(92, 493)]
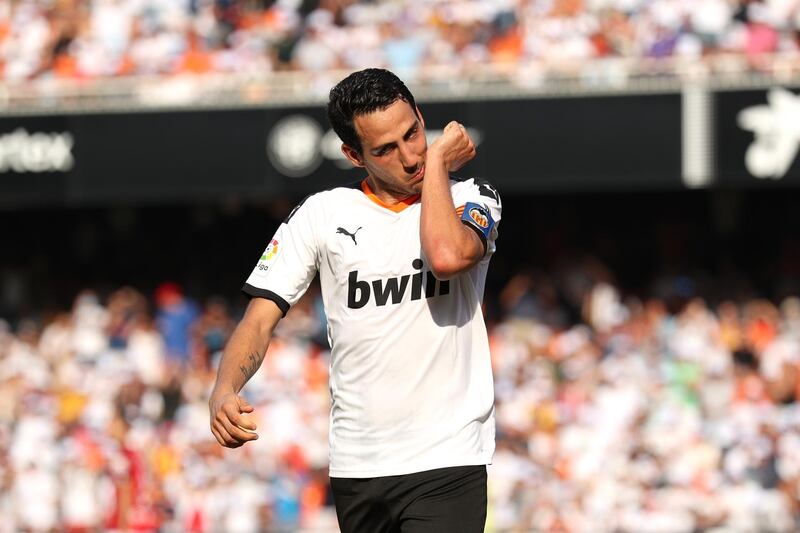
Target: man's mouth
[(418, 175)]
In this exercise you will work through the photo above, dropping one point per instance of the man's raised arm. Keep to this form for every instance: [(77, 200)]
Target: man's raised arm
[(449, 246), (242, 357)]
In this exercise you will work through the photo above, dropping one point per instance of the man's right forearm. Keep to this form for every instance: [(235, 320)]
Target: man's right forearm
[(240, 360), (244, 353)]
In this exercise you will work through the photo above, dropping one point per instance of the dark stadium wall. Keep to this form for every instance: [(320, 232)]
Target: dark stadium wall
[(617, 143), (539, 145), (107, 199), (210, 247)]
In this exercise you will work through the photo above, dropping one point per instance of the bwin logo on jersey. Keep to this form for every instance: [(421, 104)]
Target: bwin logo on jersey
[(359, 292)]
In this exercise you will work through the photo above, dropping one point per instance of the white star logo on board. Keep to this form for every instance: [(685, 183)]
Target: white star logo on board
[(776, 127)]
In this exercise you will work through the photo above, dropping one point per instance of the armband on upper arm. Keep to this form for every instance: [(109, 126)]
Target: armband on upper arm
[(479, 219)]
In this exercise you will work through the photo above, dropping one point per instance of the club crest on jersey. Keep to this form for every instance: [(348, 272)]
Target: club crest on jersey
[(392, 290), (269, 254), (479, 217)]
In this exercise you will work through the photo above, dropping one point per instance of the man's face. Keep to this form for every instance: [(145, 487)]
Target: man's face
[(393, 148)]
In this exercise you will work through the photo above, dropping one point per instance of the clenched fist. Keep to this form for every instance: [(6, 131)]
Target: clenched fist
[(455, 147), (229, 426)]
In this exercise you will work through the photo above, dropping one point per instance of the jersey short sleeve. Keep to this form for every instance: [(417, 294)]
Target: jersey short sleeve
[(289, 262), (479, 207)]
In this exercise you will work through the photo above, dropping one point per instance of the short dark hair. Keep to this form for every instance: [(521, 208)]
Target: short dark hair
[(360, 93)]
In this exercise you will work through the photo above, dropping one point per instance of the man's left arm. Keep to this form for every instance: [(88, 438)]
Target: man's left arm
[(450, 246)]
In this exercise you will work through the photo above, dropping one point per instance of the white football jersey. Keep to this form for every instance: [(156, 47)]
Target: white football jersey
[(410, 378)]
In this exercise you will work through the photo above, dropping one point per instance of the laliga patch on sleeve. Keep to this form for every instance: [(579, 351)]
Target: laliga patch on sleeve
[(478, 217), (266, 258)]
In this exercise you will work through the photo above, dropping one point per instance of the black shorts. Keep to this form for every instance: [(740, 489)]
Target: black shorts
[(442, 500)]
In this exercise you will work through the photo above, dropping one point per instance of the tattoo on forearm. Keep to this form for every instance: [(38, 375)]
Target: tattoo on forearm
[(250, 369)]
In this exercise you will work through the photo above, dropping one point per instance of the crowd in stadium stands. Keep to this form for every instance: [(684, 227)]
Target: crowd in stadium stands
[(613, 414), (80, 39)]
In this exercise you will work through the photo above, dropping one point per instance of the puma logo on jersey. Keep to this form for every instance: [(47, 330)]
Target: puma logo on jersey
[(351, 235), (360, 292)]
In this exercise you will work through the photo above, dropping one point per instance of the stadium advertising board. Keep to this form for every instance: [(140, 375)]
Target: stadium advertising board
[(758, 138), (36, 159), (564, 144)]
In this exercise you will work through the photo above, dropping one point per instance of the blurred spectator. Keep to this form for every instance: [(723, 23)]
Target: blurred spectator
[(613, 413), (211, 331), (108, 38), (174, 318)]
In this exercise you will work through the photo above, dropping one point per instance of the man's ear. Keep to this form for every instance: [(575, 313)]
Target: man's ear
[(419, 116), (353, 155)]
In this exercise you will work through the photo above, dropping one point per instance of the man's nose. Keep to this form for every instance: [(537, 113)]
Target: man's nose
[(408, 158)]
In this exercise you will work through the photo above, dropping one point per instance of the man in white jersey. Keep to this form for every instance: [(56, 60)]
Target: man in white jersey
[(402, 258)]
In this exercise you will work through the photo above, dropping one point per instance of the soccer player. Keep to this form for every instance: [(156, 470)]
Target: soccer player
[(402, 258)]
